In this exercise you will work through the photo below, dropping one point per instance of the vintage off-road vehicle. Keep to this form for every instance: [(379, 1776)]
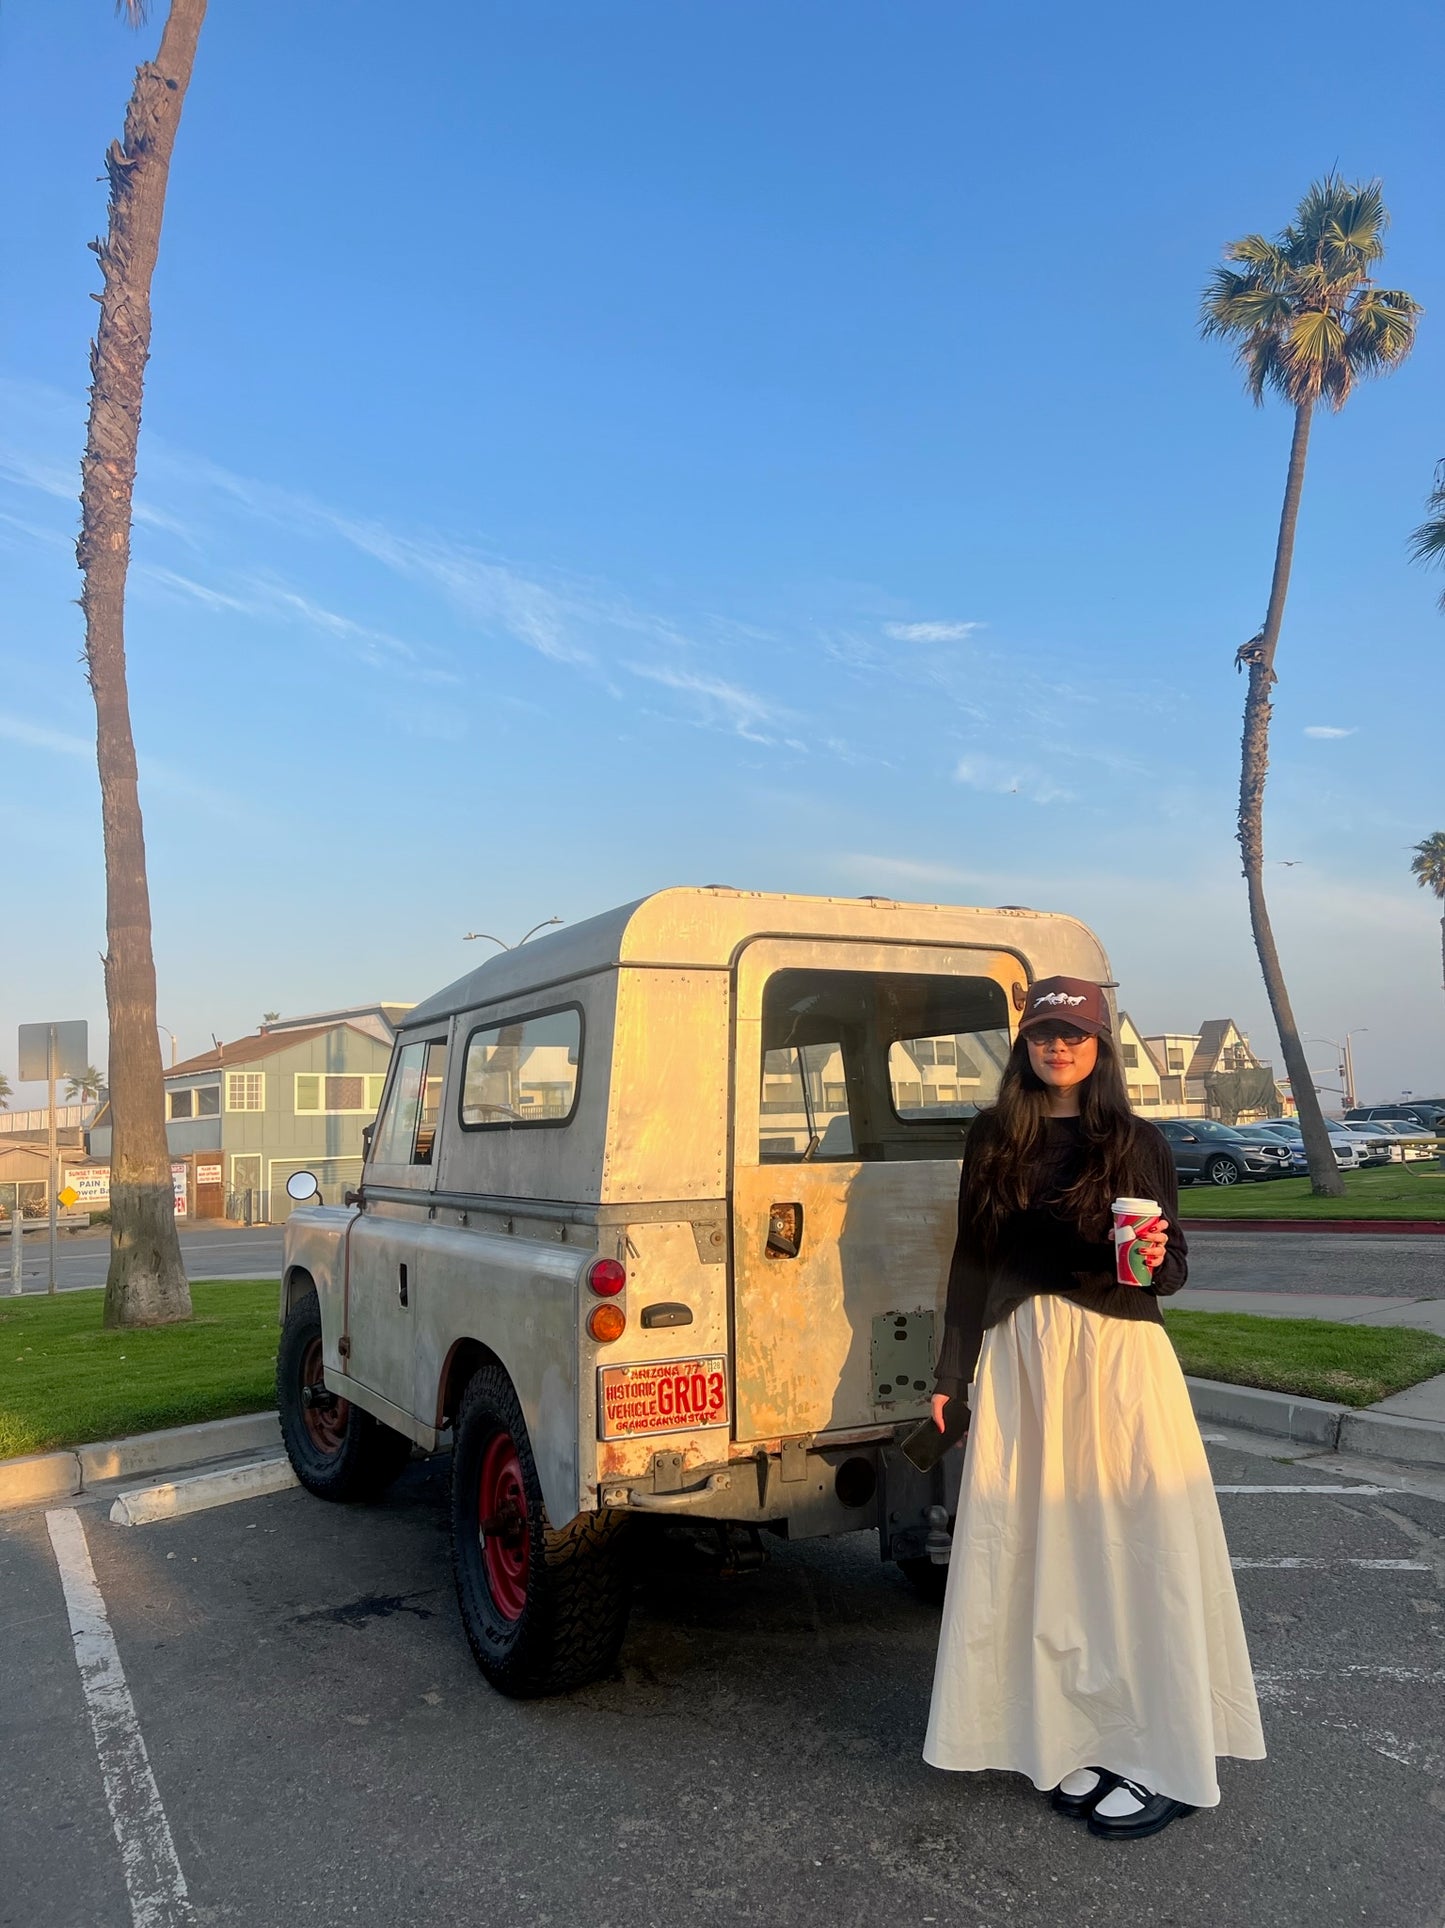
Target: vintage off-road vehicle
[(656, 1220)]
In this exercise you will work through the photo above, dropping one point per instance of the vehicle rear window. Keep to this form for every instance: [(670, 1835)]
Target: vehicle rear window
[(525, 1071), (871, 1065)]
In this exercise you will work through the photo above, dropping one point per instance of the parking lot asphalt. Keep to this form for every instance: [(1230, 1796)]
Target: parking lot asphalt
[(325, 1751)]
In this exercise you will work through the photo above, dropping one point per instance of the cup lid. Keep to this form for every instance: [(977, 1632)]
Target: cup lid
[(1133, 1205)]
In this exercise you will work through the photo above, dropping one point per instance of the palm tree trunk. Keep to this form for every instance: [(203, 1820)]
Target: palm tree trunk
[(1325, 1176), (146, 1282)]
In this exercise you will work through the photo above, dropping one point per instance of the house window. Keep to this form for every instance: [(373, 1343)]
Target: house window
[(201, 1101), (1176, 1061), (327, 1094), (245, 1091), (1130, 1054)]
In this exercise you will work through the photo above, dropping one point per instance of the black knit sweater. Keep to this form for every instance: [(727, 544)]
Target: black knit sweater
[(1039, 1250)]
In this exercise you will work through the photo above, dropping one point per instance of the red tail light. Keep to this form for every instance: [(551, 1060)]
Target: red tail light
[(606, 1278)]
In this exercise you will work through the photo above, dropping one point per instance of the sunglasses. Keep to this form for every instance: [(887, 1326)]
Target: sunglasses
[(1056, 1034)]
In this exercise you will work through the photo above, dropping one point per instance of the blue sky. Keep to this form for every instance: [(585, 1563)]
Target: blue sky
[(590, 448)]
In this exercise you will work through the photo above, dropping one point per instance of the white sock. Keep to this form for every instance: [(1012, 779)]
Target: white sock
[(1118, 1804), (1083, 1780)]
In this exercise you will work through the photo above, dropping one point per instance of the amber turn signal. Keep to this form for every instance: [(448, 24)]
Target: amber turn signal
[(606, 1277), (606, 1323)]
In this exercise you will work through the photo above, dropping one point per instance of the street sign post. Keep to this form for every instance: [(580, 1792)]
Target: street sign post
[(52, 1051)]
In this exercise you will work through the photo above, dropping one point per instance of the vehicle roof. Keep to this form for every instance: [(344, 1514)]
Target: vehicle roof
[(687, 926)]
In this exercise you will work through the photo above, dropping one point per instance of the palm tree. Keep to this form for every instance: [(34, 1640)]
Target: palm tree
[(1428, 865), (1427, 543), (146, 1281), (4, 1092), (86, 1086), (1310, 323)]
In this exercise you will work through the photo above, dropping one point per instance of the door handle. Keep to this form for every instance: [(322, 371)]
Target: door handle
[(785, 1230), (401, 1284)]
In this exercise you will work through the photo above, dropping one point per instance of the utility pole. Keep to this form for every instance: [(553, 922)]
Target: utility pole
[(53, 1146), (15, 1239)]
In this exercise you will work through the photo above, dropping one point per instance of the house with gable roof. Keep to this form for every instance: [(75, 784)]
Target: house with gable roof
[(293, 1096)]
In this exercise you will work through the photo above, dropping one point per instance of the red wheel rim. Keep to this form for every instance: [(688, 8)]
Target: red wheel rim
[(322, 1413), (502, 1526)]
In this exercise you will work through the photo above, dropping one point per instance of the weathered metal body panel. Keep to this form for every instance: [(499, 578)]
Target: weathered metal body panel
[(660, 1166)]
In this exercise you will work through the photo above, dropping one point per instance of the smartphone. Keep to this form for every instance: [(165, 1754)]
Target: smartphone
[(926, 1444)]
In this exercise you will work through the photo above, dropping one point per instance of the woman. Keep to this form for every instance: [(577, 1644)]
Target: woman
[(1091, 1635)]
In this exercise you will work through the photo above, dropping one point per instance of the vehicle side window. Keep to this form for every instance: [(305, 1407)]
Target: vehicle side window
[(523, 1072), (406, 1130)]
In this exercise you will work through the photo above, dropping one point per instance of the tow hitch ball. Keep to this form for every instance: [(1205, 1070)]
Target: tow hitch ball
[(317, 1399), (939, 1543)]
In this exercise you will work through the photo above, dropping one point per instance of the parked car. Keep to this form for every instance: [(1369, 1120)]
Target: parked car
[(1424, 1112), (655, 1222), (1220, 1154), (1374, 1145), (1350, 1152), (1406, 1138), (1267, 1133)]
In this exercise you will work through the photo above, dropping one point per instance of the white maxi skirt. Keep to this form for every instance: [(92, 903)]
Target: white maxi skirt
[(1090, 1618)]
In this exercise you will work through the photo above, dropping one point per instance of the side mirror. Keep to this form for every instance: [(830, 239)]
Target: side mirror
[(302, 1185)]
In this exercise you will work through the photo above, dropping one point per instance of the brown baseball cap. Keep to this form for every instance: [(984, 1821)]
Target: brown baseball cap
[(1068, 1000)]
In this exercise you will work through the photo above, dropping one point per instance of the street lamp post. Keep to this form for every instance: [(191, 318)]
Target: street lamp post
[(1347, 1061), (172, 1036)]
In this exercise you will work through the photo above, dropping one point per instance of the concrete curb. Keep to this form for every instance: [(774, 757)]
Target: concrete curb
[(174, 1499), (61, 1475), (1411, 1227), (1315, 1422)]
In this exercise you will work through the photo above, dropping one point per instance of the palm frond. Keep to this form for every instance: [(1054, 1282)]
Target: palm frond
[(1428, 863), (1356, 229), (133, 12), (1261, 256)]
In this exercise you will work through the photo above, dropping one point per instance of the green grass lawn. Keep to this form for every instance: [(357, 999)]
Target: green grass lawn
[(65, 1380), (1385, 1191), (1318, 1358)]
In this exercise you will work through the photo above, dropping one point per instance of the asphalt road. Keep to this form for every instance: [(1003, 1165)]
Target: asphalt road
[(1392, 1264), (210, 1252), (324, 1750)]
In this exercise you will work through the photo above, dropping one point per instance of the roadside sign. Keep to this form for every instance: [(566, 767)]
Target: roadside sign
[(72, 1050), (70, 1196)]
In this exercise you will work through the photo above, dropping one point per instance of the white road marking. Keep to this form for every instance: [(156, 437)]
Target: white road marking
[(1305, 1489), (1215, 1439), (153, 1878), (1369, 1566)]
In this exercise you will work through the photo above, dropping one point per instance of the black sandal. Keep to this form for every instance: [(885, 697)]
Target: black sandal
[(1079, 1806)]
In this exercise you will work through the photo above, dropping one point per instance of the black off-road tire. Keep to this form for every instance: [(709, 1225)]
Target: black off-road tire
[(337, 1451), (927, 1580), (1223, 1171), (553, 1619)]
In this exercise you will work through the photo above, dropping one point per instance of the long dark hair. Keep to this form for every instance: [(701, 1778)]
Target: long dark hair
[(1005, 1141)]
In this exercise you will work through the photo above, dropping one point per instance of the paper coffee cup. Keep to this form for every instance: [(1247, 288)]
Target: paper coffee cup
[(1129, 1215)]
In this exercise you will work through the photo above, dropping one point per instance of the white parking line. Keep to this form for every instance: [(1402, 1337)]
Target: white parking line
[(153, 1878), (1304, 1489), (1369, 1566)]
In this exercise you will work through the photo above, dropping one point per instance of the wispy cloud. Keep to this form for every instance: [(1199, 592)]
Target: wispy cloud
[(930, 632), (1326, 730), (1002, 778), (745, 711), (35, 736)]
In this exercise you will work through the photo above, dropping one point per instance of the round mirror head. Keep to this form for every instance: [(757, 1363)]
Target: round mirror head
[(301, 1185)]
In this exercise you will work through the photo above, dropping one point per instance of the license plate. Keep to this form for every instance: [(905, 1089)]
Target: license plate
[(668, 1396)]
